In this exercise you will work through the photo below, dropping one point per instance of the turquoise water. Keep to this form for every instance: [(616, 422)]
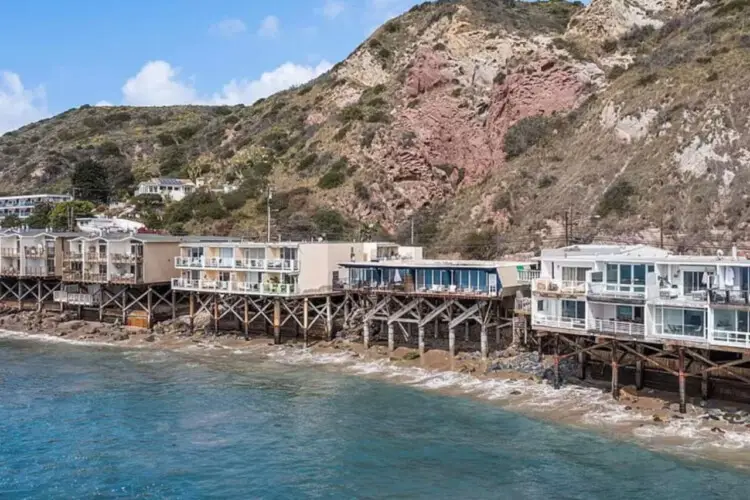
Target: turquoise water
[(84, 422)]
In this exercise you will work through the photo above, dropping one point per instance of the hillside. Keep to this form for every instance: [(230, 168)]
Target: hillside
[(483, 120)]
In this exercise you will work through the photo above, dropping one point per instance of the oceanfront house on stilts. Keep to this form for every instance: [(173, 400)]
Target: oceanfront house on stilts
[(647, 306), (243, 282), (435, 294), (127, 275)]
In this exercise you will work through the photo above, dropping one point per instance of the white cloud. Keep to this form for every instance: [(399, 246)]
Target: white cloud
[(103, 104), (158, 84), (332, 8), (269, 27), (19, 105), (285, 76), (228, 28)]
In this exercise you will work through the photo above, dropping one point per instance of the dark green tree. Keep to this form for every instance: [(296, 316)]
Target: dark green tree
[(58, 218), (10, 221), (91, 182), (39, 218)]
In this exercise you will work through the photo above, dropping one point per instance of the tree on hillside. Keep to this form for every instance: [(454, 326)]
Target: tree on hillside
[(90, 182), (39, 218), (58, 218), (11, 221)]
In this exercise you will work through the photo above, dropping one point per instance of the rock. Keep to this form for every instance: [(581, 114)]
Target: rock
[(119, 337), (150, 338), (657, 418), (516, 393), (628, 408), (678, 417), (718, 429)]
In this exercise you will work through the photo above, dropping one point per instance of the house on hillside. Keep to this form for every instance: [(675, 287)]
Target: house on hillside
[(167, 188)]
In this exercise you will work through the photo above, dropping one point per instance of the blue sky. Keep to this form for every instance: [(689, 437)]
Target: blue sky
[(62, 54)]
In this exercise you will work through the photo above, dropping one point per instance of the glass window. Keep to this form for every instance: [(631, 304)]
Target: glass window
[(573, 309), (694, 323), (611, 273), (638, 314), (482, 280), (581, 310), (624, 313), (574, 274), (639, 274), (650, 269), (725, 320), (694, 280), (626, 274), (540, 305)]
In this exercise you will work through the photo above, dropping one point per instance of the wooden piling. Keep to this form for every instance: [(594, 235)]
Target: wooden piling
[(246, 322), (483, 341), (681, 379), (101, 304), (539, 352), (705, 382), (615, 373), (436, 328), (191, 298), (174, 305), (329, 319), (391, 338), (582, 358), (366, 334), (216, 312), (277, 321), (467, 328), (639, 368), (305, 321), (39, 304), (557, 362), (420, 333)]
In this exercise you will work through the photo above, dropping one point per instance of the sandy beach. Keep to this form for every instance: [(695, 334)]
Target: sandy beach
[(715, 430)]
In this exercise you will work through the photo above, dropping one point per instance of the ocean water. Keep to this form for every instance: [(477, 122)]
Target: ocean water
[(93, 422)]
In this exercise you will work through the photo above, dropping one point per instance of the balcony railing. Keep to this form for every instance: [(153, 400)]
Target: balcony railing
[(72, 256), (8, 271), (730, 297), (617, 327), (38, 272), (125, 258), (37, 253), (125, 279), (616, 291), (75, 299), (552, 322), (730, 338), (674, 295), (95, 277), (96, 257), (282, 289), (523, 304), (528, 275), (72, 276), (10, 252), (558, 286), (490, 291), (267, 265)]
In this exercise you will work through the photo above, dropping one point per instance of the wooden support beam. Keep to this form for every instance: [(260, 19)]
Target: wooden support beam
[(705, 382), (246, 319), (639, 369), (191, 297), (420, 334), (277, 321), (681, 379), (306, 320), (582, 358), (329, 319), (557, 362), (451, 333), (216, 312), (174, 304), (150, 307), (483, 344), (615, 372), (39, 295), (539, 348), (391, 338)]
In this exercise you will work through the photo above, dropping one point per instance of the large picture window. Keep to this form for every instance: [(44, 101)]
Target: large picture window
[(573, 309)]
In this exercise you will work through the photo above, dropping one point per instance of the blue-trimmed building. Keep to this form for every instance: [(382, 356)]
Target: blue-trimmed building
[(460, 277)]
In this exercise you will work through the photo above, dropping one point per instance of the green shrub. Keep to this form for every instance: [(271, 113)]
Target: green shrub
[(109, 148), (615, 72), (166, 139), (609, 45), (307, 162), (384, 53), (231, 119), (502, 201), (647, 79), (378, 116), (361, 191), (616, 199), (118, 117), (234, 200), (330, 222), (480, 245), (367, 137), (546, 181), (499, 78), (94, 123), (412, 104), (335, 176), (350, 113), (439, 46), (341, 133), (637, 35), (525, 134)]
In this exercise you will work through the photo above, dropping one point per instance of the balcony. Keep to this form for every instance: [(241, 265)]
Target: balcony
[(616, 291), (96, 257), (240, 287), (613, 327), (522, 305), (124, 279), (729, 298), (10, 252), (561, 322), (37, 253), (72, 275), (419, 288), (75, 299), (675, 297), (558, 287), (8, 271), (261, 265), (527, 276), (72, 257), (125, 258), (730, 338)]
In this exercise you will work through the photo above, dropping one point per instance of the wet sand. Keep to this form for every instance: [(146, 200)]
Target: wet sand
[(719, 431)]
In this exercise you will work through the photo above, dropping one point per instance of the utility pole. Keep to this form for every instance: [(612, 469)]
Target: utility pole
[(567, 228), (661, 231), (268, 214), (412, 230)]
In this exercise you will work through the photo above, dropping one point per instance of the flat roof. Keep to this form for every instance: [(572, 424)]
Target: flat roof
[(435, 264)]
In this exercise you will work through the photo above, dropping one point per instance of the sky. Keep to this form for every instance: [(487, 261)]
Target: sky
[(63, 54)]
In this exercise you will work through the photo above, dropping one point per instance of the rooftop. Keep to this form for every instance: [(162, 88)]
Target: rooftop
[(169, 181), (442, 264), (602, 252)]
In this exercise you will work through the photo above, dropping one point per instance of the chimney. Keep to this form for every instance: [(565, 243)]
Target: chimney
[(734, 253)]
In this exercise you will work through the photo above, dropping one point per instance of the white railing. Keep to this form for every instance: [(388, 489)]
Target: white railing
[(558, 286), (235, 287), (10, 252), (617, 327), (268, 265), (616, 290), (679, 331), (38, 272), (674, 295), (569, 323), (75, 299), (730, 338), (528, 275), (523, 304)]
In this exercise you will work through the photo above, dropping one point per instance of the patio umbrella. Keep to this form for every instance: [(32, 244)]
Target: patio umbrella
[(397, 277)]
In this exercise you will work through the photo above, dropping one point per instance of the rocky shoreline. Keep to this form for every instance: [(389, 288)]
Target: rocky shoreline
[(529, 377)]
